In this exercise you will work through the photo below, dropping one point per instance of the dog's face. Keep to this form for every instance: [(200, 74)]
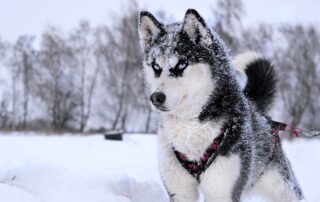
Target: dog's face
[(177, 61)]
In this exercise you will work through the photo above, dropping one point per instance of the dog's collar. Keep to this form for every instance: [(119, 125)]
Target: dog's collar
[(196, 168)]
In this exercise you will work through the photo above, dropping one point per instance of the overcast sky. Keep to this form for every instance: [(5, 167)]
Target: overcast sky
[(32, 16)]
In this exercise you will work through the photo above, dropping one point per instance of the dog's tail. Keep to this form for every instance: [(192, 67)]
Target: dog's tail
[(261, 79)]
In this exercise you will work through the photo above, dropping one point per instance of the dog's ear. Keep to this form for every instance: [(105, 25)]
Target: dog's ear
[(195, 27), (149, 29)]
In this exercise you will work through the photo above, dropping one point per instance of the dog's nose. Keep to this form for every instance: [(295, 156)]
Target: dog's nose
[(158, 98)]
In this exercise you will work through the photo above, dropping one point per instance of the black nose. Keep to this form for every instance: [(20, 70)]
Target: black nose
[(158, 99)]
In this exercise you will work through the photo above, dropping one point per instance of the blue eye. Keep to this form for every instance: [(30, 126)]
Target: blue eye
[(182, 64), (155, 66)]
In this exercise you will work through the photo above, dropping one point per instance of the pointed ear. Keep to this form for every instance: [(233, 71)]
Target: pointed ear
[(195, 27), (149, 29)]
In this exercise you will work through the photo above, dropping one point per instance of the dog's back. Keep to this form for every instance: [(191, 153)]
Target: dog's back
[(269, 163)]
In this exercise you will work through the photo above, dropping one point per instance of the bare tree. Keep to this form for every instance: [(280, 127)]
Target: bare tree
[(2, 49), (124, 70), (298, 64), (20, 62), (5, 118), (228, 15), (14, 80), (82, 45), (259, 39), (4, 115), (107, 56), (55, 84), (24, 56)]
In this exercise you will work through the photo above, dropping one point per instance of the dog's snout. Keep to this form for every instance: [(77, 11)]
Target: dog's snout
[(158, 98)]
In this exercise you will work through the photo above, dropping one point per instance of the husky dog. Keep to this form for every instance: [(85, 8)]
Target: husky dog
[(214, 135)]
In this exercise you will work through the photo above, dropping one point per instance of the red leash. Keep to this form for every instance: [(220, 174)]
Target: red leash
[(292, 131)]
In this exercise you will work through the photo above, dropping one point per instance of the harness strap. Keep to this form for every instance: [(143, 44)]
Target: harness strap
[(216, 153), (196, 168)]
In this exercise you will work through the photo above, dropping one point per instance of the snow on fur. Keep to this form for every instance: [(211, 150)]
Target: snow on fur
[(205, 97)]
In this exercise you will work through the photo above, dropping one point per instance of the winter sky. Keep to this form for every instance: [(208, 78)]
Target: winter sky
[(32, 16)]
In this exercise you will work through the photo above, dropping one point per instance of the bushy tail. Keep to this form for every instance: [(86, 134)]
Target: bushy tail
[(261, 79)]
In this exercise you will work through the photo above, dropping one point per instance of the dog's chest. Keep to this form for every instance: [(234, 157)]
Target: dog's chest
[(189, 136)]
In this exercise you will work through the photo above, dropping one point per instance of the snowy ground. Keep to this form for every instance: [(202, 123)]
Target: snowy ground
[(90, 169)]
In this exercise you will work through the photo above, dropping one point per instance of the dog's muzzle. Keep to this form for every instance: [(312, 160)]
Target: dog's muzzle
[(158, 100)]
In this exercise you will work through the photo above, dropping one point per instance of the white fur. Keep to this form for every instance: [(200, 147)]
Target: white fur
[(219, 179), (173, 60), (146, 25), (192, 24), (179, 128), (191, 138), (273, 188), (241, 61), (175, 177), (184, 95)]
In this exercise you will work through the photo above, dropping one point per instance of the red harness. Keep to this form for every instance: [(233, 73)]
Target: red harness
[(196, 168)]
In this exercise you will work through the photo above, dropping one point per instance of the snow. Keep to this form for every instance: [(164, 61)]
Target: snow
[(38, 168), (304, 156), (76, 168)]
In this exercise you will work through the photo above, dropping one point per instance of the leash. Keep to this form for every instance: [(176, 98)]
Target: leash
[(197, 167), (292, 131)]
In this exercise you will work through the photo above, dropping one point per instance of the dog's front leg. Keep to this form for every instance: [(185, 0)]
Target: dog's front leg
[(180, 185)]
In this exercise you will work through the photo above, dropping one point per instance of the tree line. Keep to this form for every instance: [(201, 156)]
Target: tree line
[(91, 78)]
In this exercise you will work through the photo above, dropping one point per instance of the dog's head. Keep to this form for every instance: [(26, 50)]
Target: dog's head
[(178, 60)]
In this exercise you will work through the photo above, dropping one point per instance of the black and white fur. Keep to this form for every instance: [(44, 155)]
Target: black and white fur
[(194, 86)]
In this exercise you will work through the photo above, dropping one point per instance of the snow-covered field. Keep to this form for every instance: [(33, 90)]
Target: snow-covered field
[(37, 168)]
